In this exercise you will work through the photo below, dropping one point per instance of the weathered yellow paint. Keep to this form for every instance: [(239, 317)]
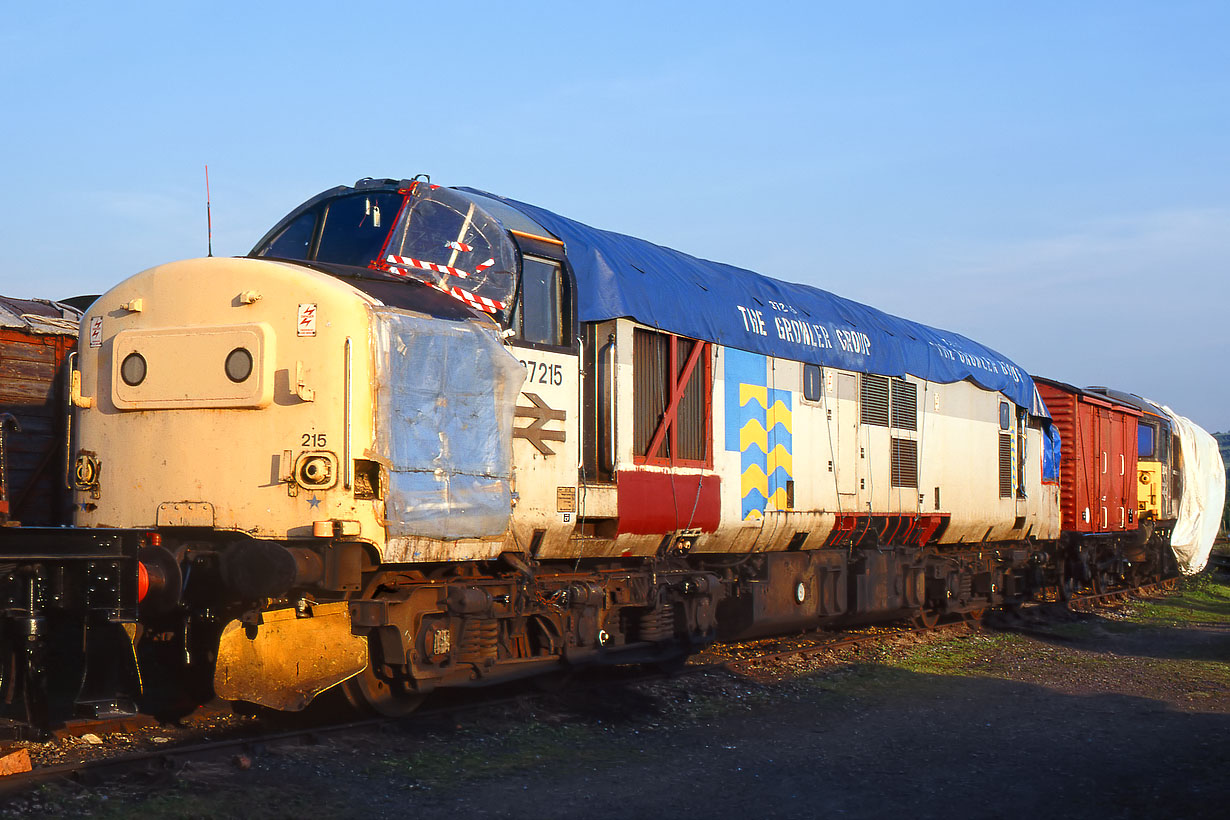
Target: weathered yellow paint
[(287, 660), (171, 384), (188, 447), (1149, 488)]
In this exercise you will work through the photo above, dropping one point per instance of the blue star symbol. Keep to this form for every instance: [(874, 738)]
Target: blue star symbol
[(313, 502)]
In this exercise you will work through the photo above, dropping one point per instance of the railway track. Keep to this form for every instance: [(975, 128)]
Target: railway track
[(253, 741)]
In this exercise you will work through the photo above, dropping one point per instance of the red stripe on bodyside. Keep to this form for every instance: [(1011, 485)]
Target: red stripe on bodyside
[(652, 502)]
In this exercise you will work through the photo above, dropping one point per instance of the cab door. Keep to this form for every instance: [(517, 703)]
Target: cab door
[(847, 438), (546, 424)]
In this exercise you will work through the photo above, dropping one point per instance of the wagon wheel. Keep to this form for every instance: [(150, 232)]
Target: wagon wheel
[(976, 614), (926, 618)]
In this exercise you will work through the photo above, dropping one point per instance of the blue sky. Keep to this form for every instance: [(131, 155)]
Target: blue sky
[(1051, 179)]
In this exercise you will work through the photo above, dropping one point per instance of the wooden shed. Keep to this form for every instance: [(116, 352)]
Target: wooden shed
[(36, 337)]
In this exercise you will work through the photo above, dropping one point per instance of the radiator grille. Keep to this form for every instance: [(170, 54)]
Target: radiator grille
[(905, 405), (650, 388), (905, 463), (690, 421), (874, 404), (659, 361), (1005, 466)]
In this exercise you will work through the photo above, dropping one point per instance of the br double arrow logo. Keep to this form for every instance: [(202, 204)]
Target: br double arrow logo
[(541, 413)]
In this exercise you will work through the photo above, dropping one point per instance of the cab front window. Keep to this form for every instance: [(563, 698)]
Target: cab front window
[(1145, 434), (356, 227)]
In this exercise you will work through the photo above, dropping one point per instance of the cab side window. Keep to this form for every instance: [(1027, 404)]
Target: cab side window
[(540, 315), (295, 240)]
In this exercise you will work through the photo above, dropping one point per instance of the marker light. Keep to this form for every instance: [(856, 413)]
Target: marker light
[(132, 370)]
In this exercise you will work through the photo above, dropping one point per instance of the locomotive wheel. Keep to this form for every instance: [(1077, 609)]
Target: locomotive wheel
[(370, 694), (976, 614), (367, 692), (927, 618)]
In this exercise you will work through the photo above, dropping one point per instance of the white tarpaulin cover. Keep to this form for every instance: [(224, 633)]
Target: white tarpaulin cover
[(1204, 495), (445, 399)]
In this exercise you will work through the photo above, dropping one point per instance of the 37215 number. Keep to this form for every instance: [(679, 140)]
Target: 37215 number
[(543, 373)]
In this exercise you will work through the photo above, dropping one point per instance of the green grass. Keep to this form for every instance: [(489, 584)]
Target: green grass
[(1201, 599), (963, 657), (518, 748)]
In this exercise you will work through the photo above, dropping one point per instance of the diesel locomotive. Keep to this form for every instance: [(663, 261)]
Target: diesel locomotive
[(427, 437)]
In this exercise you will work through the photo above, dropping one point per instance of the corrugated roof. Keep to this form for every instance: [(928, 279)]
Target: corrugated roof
[(39, 316)]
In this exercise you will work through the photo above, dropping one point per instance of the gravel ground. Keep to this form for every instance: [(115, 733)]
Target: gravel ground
[(1122, 712)]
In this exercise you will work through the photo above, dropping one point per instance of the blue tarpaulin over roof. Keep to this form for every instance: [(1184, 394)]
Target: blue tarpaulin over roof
[(620, 276)]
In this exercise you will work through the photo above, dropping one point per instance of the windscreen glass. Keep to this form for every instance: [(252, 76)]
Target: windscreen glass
[(356, 226), (1144, 434), (446, 240)]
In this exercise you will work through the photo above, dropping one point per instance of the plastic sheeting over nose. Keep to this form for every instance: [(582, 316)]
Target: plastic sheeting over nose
[(445, 399)]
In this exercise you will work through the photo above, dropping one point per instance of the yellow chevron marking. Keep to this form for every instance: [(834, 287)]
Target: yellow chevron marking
[(780, 457), (752, 392), (779, 413), (753, 515), (753, 432), (753, 478), (777, 501)]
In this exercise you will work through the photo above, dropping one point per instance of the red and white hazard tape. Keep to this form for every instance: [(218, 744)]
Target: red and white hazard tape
[(472, 299), (459, 246), (461, 294), (407, 262)]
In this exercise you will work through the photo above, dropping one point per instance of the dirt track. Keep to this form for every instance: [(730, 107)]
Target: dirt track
[(1123, 713)]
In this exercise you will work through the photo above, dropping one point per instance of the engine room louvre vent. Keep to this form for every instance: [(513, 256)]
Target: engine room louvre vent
[(874, 400), (651, 390), (666, 367), (905, 463), (1005, 466), (905, 405)]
